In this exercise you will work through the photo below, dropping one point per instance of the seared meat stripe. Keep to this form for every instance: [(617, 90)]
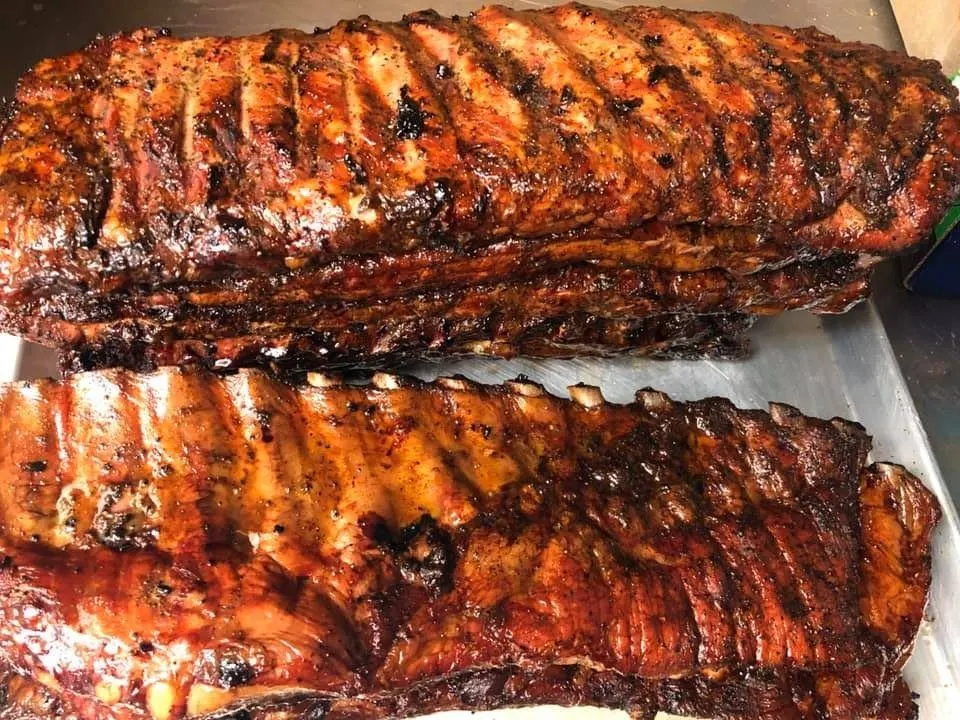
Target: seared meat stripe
[(375, 161), (183, 544)]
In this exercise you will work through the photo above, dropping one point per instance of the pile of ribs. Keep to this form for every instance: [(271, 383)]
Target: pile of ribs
[(549, 183), (180, 543), (186, 535)]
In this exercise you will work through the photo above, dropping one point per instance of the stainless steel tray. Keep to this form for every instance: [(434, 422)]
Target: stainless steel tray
[(838, 366)]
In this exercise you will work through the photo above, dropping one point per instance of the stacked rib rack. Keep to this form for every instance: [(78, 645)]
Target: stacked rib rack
[(180, 543), (557, 182)]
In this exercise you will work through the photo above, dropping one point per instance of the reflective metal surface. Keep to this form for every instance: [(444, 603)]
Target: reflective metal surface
[(836, 366)]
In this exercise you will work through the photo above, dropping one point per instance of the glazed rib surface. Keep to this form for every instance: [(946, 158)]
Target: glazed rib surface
[(666, 313), (184, 544), (380, 160)]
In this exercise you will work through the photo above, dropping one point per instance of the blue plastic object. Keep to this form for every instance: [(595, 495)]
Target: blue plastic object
[(938, 273)]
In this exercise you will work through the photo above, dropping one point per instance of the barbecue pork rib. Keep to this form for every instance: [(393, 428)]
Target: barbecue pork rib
[(293, 333), (182, 544), (147, 182)]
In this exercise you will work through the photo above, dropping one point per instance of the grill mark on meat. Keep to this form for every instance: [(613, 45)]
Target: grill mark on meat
[(716, 622), (119, 219), (212, 126), (828, 113), (527, 95), (182, 396), (244, 52), (597, 47), (438, 140), (508, 148), (813, 590), (127, 98), (682, 47), (744, 102), (691, 198), (581, 121), (268, 115), (426, 163), (325, 116), (450, 108), (871, 108), (541, 149), (800, 638), (158, 150), (583, 89), (803, 140), (894, 80), (790, 159), (362, 133), (185, 138), (885, 84), (308, 128), (860, 144), (573, 126), (293, 83), (819, 165), (914, 128), (33, 438)]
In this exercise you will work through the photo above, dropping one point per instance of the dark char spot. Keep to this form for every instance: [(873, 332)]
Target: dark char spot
[(653, 40), (525, 85), (410, 118), (234, 671), (356, 169), (264, 419), (444, 71), (720, 150), (94, 209), (660, 72), (270, 51), (482, 204), (216, 189), (763, 125), (34, 466), (793, 605), (665, 160), (476, 687), (623, 106), (231, 222), (426, 555), (779, 68)]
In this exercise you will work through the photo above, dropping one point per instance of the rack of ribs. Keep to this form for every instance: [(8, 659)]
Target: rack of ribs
[(182, 544), (548, 182)]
